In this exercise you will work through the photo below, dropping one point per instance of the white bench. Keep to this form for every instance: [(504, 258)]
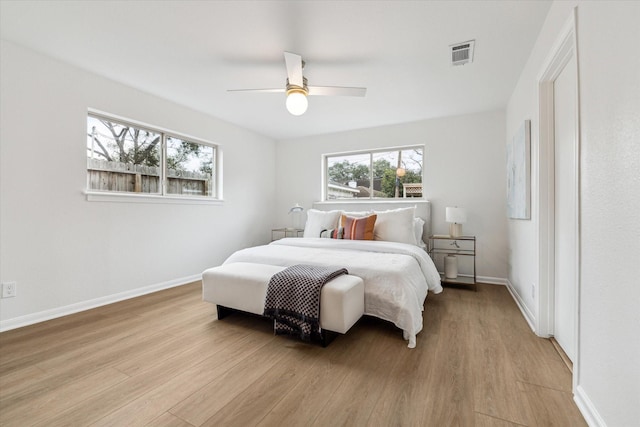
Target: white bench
[(243, 286)]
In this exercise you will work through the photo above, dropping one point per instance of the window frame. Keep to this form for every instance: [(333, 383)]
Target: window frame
[(370, 152), (162, 196)]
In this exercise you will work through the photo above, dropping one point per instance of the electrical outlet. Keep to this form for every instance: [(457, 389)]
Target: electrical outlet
[(9, 289)]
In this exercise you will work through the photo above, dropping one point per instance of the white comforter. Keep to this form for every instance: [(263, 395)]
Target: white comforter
[(396, 276)]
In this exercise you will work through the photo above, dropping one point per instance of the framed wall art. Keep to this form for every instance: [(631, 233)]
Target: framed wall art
[(519, 173)]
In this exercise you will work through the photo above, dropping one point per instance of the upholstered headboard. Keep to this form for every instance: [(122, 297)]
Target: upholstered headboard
[(423, 209)]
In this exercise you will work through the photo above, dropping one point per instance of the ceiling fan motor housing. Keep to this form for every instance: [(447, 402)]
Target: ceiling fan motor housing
[(291, 88)]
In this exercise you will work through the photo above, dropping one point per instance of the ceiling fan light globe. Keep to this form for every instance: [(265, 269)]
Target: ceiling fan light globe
[(297, 103)]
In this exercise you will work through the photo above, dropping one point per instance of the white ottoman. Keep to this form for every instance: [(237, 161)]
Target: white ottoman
[(243, 286)]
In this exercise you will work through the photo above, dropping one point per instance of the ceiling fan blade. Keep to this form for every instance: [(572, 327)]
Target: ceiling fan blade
[(337, 91), (294, 68), (279, 90)]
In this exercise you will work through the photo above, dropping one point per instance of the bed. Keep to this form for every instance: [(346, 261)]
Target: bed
[(397, 274)]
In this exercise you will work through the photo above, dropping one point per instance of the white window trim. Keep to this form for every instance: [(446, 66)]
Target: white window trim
[(126, 197), (325, 179), (103, 196)]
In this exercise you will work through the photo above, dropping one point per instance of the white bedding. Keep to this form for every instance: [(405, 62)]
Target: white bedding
[(396, 276)]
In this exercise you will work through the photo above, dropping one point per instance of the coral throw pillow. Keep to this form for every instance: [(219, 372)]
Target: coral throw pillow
[(358, 228)]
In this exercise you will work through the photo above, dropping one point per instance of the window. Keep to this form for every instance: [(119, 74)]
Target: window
[(189, 167), (129, 158), (384, 173)]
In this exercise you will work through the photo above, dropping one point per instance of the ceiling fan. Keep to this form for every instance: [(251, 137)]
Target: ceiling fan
[(297, 89)]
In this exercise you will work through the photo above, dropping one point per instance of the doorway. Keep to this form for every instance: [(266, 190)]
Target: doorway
[(559, 197)]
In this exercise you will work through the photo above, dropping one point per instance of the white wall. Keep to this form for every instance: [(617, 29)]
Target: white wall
[(67, 253), (465, 166), (608, 382)]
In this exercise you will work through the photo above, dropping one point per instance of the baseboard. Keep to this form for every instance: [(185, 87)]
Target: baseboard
[(529, 317), (30, 319), (491, 280), (587, 409)]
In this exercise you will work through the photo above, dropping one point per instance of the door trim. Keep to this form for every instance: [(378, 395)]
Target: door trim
[(561, 53)]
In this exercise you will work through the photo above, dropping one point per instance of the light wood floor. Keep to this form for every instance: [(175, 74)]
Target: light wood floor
[(164, 360)]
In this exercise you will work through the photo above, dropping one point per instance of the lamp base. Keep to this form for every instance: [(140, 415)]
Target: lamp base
[(455, 229)]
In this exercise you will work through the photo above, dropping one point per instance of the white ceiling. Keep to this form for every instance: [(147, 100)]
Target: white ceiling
[(191, 52)]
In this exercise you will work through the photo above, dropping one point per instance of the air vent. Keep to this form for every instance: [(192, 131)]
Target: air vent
[(462, 53)]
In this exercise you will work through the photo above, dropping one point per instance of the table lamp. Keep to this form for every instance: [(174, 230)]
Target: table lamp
[(296, 214), (455, 217)]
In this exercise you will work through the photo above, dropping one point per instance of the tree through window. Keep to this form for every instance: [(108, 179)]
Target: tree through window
[(385, 173)]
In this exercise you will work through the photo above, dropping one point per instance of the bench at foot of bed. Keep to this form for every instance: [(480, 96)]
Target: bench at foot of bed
[(243, 286)]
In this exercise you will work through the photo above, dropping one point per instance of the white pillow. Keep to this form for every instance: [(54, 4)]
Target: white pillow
[(395, 225), (320, 220), (418, 229), (357, 214)]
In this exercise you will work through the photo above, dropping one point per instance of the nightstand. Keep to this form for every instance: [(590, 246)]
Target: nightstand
[(463, 246), (280, 233)]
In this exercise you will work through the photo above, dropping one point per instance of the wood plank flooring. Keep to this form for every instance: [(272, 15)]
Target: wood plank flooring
[(165, 360)]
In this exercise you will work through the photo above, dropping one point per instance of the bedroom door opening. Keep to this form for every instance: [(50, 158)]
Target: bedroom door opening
[(559, 197)]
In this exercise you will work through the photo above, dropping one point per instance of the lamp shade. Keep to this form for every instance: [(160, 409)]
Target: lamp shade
[(456, 215), (296, 208)]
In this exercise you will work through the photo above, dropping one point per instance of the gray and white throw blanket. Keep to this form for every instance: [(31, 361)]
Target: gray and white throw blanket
[(293, 298)]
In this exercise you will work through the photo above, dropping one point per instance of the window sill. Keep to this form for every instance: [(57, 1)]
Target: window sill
[(389, 201), (96, 196)]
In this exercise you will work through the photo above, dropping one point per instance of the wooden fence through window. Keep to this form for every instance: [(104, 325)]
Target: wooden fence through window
[(128, 177)]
